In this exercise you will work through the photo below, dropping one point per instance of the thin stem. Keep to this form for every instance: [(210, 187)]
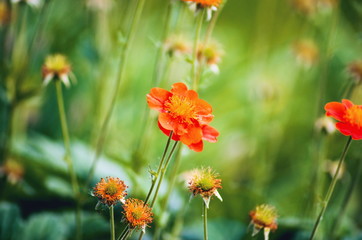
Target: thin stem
[(346, 199), (163, 171), (123, 61), (209, 30), (111, 219), (123, 233), (330, 189), (154, 180), (205, 220), (194, 54), (128, 234), (173, 175), (67, 157)]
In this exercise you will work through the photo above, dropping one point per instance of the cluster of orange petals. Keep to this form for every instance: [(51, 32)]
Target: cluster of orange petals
[(206, 3), (110, 190), (349, 117), (183, 114), (136, 213)]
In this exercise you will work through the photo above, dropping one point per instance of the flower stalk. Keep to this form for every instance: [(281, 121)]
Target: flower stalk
[(330, 189), (67, 157), (205, 220), (162, 172), (111, 213)]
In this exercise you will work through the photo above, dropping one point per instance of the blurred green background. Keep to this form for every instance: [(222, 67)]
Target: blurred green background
[(281, 61)]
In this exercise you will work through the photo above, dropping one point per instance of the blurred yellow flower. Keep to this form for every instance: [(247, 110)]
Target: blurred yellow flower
[(264, 216), (56, 67), (211, 55)]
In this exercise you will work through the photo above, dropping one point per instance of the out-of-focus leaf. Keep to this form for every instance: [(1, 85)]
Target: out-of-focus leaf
[(10, 221), (93, 225), (45, 226), (59, 186)]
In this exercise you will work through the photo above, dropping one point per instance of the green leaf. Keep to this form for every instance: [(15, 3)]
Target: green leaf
[(10, 221)]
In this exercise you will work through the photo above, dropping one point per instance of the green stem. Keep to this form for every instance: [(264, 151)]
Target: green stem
[(205, 220), (111, 215), (209, 30), (346, 199), (154, 180), (127, 234), (163, 171), (330, 189), (123, 61), (125, 230), (173, 176), (194, 54), (67, 157)]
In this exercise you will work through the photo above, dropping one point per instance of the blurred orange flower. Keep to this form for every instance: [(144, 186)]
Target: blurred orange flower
[(183, 113), (205, 3), (349, 117), (110, 191), (137, 214)]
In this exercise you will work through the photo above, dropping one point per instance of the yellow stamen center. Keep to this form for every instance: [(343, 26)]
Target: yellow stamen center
[(137, 214), (206, 183), (111, 189), (56, 63), (354, 116), (265, 214), (181, 107)]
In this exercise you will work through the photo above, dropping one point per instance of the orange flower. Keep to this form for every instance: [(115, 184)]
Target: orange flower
[(264, 216), (349, 117), (205, 3), (183, 113), (110, 191), (56, 67), (137, 214), (205, 183)]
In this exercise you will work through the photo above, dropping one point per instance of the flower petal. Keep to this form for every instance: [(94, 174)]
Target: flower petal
[(209, 133), (207, 201), (217, 194), (335, 110), (347, 103), (345, 128), (157, 97), (192, 95), (204, 110), (193, 135), (167, 133), (179, 88), (197, 147)]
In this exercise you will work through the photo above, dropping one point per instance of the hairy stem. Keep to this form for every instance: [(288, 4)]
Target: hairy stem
[(330, 189)]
